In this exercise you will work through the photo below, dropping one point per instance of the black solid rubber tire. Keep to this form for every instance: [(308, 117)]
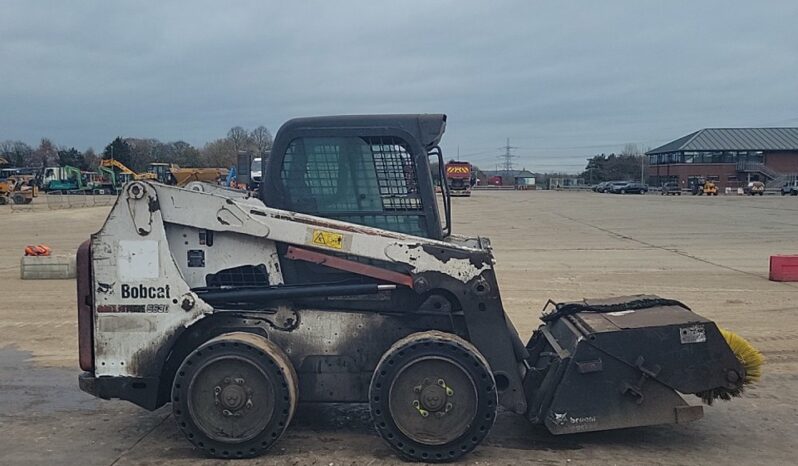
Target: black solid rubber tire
[(264, 355), (413, 348)]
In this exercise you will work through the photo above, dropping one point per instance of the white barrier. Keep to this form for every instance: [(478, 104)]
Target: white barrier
[(73, 201)]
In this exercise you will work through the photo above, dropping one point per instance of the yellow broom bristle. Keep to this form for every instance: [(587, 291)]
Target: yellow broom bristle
[(749, 357)]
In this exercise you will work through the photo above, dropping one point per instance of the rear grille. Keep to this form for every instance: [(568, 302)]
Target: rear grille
[(245, 275)]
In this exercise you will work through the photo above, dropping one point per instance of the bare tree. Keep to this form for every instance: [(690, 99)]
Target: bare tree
[(261, 138), (239, 137), (17, 153), (219, 153), (45, 153), (91, 158), (631, 150)]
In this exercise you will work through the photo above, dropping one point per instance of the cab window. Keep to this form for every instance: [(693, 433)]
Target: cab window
[(369, 181)]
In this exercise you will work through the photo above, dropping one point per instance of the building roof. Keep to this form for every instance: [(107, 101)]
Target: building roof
[(737, 139)]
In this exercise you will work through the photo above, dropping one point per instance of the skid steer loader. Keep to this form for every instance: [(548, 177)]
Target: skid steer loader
[(343, 282)]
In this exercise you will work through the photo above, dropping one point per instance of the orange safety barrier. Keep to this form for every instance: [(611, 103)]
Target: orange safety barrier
[(38, 250)]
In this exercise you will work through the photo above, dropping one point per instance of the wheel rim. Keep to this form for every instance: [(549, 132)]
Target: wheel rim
[(433, 400), (231, 399)]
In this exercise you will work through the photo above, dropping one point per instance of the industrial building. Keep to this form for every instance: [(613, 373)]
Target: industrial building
[(731, 157)]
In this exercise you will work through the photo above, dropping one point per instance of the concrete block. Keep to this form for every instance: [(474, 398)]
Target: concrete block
[(784, 268), (47, 267)]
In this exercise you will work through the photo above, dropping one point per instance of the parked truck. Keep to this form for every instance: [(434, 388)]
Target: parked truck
[(459, 178)]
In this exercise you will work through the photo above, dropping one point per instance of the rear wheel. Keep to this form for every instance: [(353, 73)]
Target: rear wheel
[(433, 397), (18, 199), (234, 396)]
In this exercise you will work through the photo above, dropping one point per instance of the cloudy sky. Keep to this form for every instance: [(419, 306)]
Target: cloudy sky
[(562, 80)]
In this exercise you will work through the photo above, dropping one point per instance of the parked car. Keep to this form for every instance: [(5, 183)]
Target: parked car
[(599, 188), (604, 186), (628, 187), (671, 189), (755, 187), (790, 188), (612, 184)]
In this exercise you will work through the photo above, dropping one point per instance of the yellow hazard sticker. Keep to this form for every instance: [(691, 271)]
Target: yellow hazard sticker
[(328, 238)]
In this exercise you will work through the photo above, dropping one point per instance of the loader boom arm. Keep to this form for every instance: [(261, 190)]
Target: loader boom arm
[(145, 211)]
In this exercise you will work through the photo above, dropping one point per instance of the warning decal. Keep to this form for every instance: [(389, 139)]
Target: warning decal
[(694, 334), (328, 239)]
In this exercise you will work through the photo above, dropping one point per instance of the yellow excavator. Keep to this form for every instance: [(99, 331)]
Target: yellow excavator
[(124, 173)]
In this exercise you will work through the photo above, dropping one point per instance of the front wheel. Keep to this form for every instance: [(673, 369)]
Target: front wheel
[(234, 396), (433, 397)]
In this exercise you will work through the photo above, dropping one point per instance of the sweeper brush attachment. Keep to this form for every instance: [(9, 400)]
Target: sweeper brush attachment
[(749, 357), (623, 362)]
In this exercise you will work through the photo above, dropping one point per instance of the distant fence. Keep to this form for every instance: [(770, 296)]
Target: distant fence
[(63, 200), (492, 187)]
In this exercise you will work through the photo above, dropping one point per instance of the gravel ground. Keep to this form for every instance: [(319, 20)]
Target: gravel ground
[(711, 253)]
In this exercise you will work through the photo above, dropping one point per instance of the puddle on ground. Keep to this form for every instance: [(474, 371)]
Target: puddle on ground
[(28, 389)]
